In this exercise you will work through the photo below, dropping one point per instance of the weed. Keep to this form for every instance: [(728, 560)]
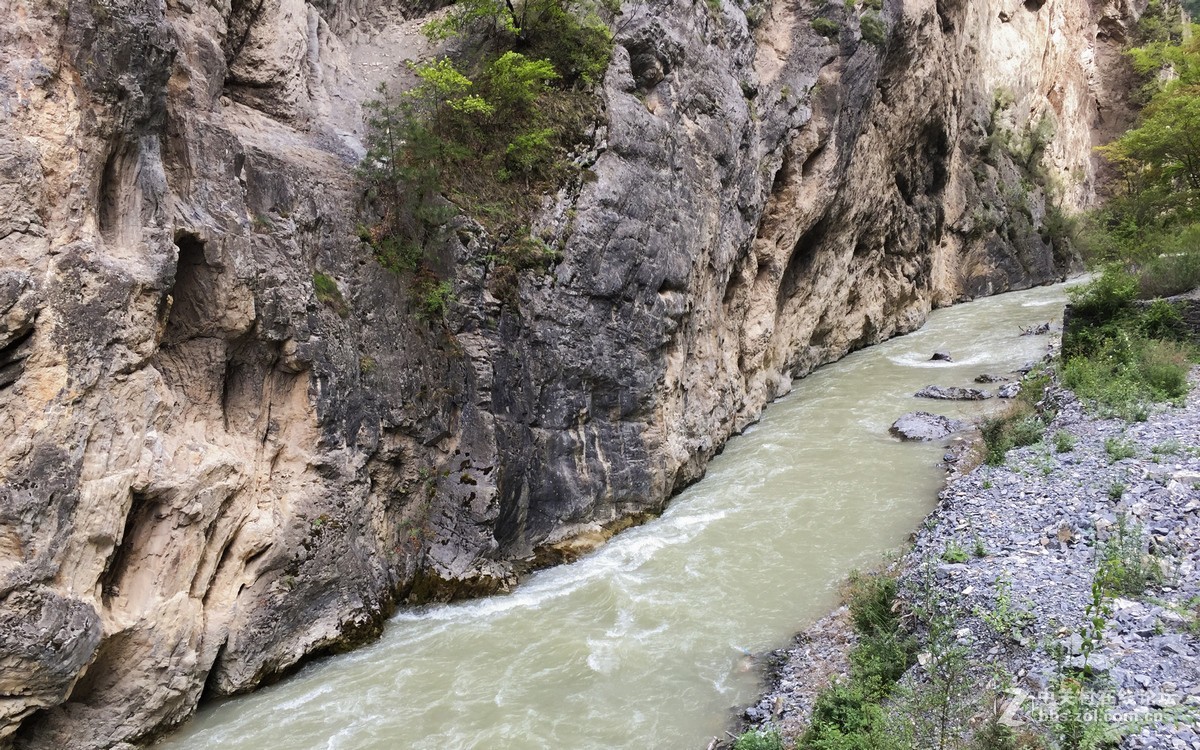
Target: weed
[(1116, 491), (759, 740), (954, 553), (1064, 442), (1118, 449), (435, 298), (979, 550), (1170, 447), (1019, 427), (327, 292), (826, 27), (1124, 568), (1005, 618)]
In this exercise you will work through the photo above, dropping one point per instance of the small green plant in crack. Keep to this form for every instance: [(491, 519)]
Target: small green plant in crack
[(1171, 447), (1064, 442), (435, 299), (826, 27), (1124, 567), (328, 293), (1118, 449), (1006, 618), (1116, 491), (954, 553)]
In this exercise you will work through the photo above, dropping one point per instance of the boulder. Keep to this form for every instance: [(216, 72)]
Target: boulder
[(940, 356), (952, 393), (1009, 390), (921, 425), (990, 378)]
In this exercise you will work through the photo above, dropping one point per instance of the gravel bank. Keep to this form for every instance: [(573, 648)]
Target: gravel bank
[(1032, 531)]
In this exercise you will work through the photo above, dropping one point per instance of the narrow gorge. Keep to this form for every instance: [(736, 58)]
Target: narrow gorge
[(229, 443)]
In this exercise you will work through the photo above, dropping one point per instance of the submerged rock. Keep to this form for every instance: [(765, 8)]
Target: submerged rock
[(989, 378), (1038, 330), (921, 425), (952, 393)]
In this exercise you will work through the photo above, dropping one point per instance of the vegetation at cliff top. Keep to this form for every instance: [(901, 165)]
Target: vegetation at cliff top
[(1154, 213), (1120, 355), (488, 132)]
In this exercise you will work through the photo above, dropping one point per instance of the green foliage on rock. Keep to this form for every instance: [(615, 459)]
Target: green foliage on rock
[(1152, 222), (874, 30), (1120, 356), (488, 132), (328, 293), (826, 27)]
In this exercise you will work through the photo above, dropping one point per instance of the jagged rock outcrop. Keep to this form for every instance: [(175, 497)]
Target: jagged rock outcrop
[(208, 471)]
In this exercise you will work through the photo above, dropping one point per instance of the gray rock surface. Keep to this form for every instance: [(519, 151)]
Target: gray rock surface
[(952, 393), (1042, 520), (208, 473), (921, 425), (1009, 390)]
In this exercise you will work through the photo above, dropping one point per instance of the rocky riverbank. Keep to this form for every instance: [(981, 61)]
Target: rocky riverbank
[(1073, 560)]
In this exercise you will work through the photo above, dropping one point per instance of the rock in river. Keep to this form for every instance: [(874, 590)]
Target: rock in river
[(921, 425), (952, 393)]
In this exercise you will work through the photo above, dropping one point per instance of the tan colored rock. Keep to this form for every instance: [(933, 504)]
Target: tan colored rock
[(207, 473)]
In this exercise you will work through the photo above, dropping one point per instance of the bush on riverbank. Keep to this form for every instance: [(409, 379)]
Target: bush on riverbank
[(1120, 356), (1022, 423), (849, 715)]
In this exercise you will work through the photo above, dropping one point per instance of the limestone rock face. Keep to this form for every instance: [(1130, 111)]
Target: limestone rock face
[(208, 472)]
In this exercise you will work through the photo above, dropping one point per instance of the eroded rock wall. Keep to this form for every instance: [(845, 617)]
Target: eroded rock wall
[(209, 471)]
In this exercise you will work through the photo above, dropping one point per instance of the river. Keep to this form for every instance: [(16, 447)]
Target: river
[(640, 644)]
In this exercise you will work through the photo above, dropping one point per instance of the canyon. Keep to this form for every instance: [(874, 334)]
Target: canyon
[(209, 472)]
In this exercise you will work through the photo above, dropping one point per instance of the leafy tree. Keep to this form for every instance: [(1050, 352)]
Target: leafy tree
[(515, 81), (1159, 160)]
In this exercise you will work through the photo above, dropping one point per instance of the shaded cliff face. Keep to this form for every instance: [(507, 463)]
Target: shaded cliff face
[(209, 471)]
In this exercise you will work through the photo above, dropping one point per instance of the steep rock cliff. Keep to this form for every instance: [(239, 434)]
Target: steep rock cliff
[(209, 471)]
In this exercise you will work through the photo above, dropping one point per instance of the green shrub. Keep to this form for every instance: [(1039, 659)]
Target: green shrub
[(1164, 366), (513, 103), (1016, 429), (1064, 442), (328, 293), (826, 27), (1170, 274), (759, 740), (1162, 320), (1129, 373), (1118, 449), (1124, 568), (954, 553), (845, 717), (874, 30)]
